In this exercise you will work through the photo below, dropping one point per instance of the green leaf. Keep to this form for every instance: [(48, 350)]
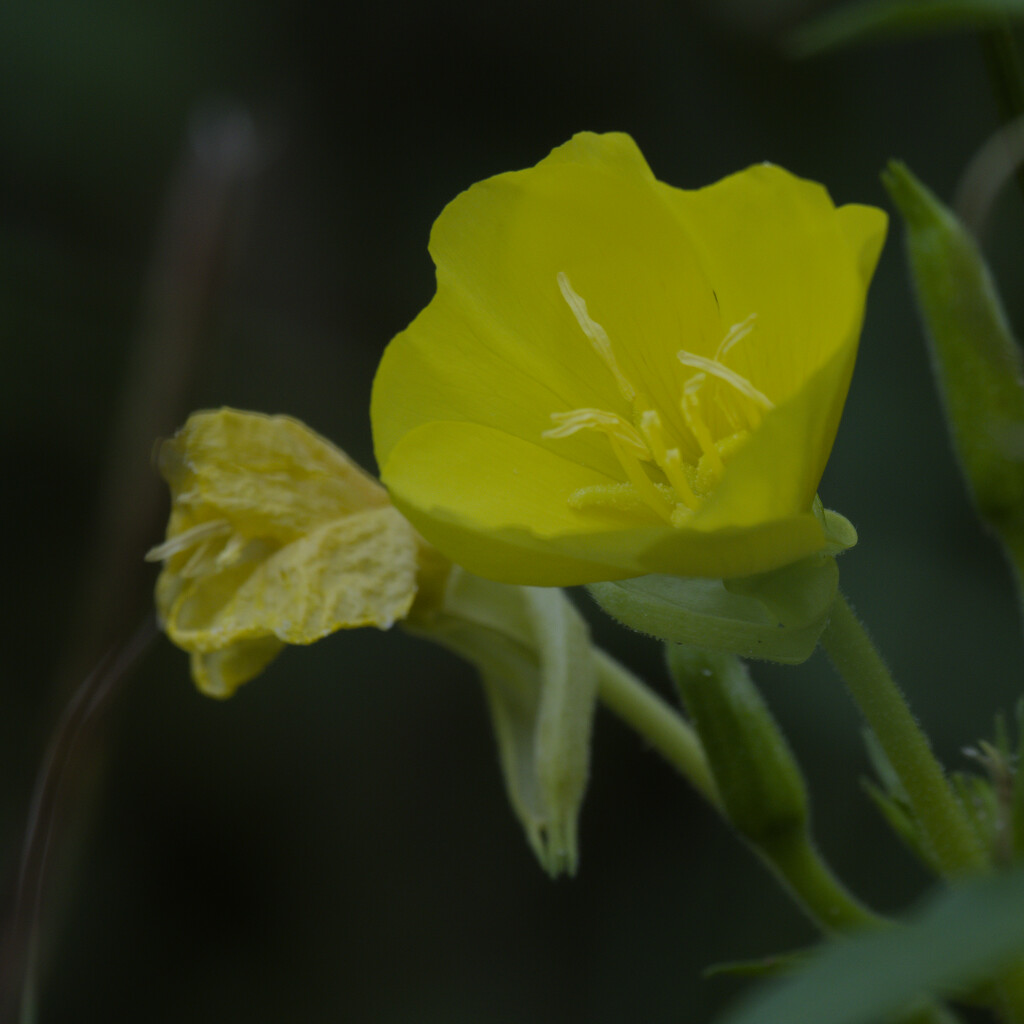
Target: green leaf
[(881, 19), (962, 937), (977, 361), (775, 616)]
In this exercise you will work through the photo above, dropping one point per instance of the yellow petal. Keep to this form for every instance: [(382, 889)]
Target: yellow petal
[(499, 344), (779, 467), (220, 673), (865, 228), (774, 246), (498, 506), (356, 571)]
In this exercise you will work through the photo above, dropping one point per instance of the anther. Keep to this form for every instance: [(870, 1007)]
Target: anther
[(669, 460), (641, 481), (735, 333), (715, 369), (187, 539), (699, 429), (596, 333), (609, 423)]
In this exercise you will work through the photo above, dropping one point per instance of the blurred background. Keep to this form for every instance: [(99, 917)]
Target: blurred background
[(206, 202)]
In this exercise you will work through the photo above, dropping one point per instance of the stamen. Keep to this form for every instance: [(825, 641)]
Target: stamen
[(670, 460), (200, 532), (231, 551), (694, 420), (597, 335), (723, 373), (609, 423), (646, 440), (641, 481), (619, 497), (198, 563), (735, 333)]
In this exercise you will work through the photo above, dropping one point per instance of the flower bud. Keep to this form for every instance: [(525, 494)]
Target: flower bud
[(976, 359)]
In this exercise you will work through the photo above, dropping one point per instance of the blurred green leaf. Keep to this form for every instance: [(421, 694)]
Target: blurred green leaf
[(961, 937), (882, 19)]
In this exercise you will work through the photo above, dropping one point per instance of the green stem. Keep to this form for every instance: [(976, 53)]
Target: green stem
[(793, 859), (657, 722), (814, 887), (940, 817)]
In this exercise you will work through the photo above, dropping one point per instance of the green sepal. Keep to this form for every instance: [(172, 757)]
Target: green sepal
[(762, 789), (882, 19), (977, 361), (533, 652), (984, 810), (962, 937), (773, 616), (900, 820), (893, 802), (989, 801)]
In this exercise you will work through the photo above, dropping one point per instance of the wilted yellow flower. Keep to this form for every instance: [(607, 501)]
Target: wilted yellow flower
[(617, 377), (276, 537)]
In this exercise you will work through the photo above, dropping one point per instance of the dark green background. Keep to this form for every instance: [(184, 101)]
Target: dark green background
[(334, 843)]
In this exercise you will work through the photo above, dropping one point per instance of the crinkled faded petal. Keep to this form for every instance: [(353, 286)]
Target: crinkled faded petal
[(500, 507), (220, 673), (189, 606), (271, 476), (356, 571)]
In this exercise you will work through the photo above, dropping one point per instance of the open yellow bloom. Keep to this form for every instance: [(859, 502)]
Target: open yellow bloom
[(276, 537), (617, 377)]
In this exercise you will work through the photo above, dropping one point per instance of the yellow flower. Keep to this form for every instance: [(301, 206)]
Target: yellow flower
[(617, 377), (276, 537)]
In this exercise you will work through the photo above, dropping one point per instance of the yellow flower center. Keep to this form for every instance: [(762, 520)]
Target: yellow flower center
[(658, 475)]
